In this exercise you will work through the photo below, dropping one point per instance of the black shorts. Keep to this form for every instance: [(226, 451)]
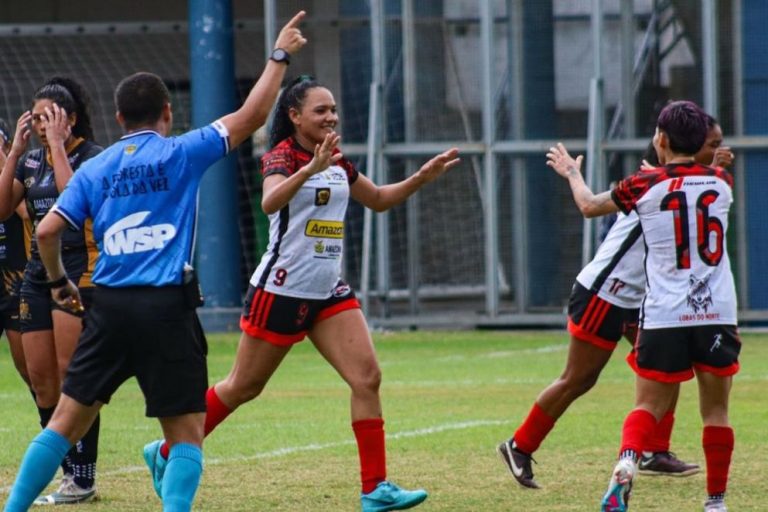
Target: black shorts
[(146, 332), (9, 314), (36, 304), (282, 320), (595, 321), (10, 288), (670, 355)]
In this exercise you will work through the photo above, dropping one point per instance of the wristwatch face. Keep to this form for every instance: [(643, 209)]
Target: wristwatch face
[(280, 55)]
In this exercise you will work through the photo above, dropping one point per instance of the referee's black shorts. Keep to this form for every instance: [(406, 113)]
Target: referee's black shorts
[(146, 332)]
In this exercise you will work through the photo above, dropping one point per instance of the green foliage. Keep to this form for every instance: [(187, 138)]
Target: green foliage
[(449, 399)]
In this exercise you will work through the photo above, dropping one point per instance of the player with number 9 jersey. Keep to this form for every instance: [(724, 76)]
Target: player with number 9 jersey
[(306, 237)]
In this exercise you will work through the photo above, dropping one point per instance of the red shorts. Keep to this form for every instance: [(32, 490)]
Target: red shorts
[(670, 355), (283, 320), (595, 321)]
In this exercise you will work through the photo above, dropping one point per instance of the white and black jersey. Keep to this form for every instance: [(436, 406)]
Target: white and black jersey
[(306, 237), (616, 272), (683, 211)]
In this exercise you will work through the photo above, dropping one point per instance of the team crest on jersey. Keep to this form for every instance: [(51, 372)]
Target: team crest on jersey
[(342, 290), (699, 294), (319, 247), (29, 182), (130, 149), (24, 310), (322, 196)]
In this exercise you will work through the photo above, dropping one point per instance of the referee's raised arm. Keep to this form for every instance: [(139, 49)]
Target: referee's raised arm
[(253, 114)]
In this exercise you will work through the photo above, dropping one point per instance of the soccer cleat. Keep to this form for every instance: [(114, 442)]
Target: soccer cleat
[(518, 463), (388, 496), (68, 493), (156, 464), (667, 464), (616, 498), (715, 506)]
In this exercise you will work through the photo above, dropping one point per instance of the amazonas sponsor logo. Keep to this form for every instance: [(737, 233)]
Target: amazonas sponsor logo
[(324, 228), (128, 236)]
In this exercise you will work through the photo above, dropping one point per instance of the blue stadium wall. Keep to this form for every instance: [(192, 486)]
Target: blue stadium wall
[(755, 13)]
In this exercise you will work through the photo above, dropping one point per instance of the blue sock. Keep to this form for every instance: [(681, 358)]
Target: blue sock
[(182, 476), (38, 467)]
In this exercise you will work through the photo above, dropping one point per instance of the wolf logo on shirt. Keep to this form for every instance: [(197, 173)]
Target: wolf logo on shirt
[(699, 294)]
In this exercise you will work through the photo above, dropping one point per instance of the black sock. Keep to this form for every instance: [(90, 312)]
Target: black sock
[(45, 416), (83, 456)]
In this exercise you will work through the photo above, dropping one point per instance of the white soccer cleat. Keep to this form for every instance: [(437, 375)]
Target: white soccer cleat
[(616, 498)]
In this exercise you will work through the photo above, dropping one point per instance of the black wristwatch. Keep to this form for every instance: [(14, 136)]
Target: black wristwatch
[(280, 55)]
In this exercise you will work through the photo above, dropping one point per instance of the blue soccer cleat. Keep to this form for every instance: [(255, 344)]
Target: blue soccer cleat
[(156, 464), (388, 496), (616, 498)]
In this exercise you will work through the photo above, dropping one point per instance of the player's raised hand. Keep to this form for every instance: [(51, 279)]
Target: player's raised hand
[(290, 38), (23, 133), (57, 125), (324, 154), (723, 157), (438, 165), (562, 162)]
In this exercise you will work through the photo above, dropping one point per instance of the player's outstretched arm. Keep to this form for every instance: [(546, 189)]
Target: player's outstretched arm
[(590, 204), (253, 114), (382, 198)]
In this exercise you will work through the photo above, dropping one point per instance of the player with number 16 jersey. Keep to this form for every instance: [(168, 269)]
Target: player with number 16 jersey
[(689, 277)]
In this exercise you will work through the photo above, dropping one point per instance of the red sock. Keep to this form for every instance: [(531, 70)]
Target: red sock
[(533, 430), (718, 447), (370, 447), (216, 412), (658, 441), (638, 426)]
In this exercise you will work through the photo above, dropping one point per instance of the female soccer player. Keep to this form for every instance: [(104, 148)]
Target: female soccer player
[(688, 318), (604, 307), (296, 291), (14, 245), (49, 332)]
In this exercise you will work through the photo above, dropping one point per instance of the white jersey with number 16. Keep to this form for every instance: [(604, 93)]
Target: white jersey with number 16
[(683, 210)]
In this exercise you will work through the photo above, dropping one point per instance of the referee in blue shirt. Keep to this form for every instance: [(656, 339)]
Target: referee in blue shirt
[(141, 194)]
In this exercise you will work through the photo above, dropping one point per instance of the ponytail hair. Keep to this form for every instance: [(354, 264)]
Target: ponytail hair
[(292, 97), (70, 96)]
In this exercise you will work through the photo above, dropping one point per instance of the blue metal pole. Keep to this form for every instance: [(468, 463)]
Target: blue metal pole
[(212, 71)]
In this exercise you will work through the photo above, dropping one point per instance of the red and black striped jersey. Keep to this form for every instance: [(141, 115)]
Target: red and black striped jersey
[(683, 211), (306, 237)]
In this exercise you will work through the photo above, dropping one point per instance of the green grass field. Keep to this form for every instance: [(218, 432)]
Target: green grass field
[(449, 399)]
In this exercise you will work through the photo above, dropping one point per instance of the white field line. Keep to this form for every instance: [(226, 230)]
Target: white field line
[(289, 450)]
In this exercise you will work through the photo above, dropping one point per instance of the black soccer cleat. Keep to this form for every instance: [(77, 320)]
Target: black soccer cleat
[(666, 464), (518, 463)]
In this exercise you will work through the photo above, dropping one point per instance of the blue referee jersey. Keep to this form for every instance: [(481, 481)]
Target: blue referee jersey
[(141, 193)]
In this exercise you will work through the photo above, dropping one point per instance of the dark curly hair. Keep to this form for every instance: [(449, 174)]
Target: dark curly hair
[(292, 97), (70, 96)]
